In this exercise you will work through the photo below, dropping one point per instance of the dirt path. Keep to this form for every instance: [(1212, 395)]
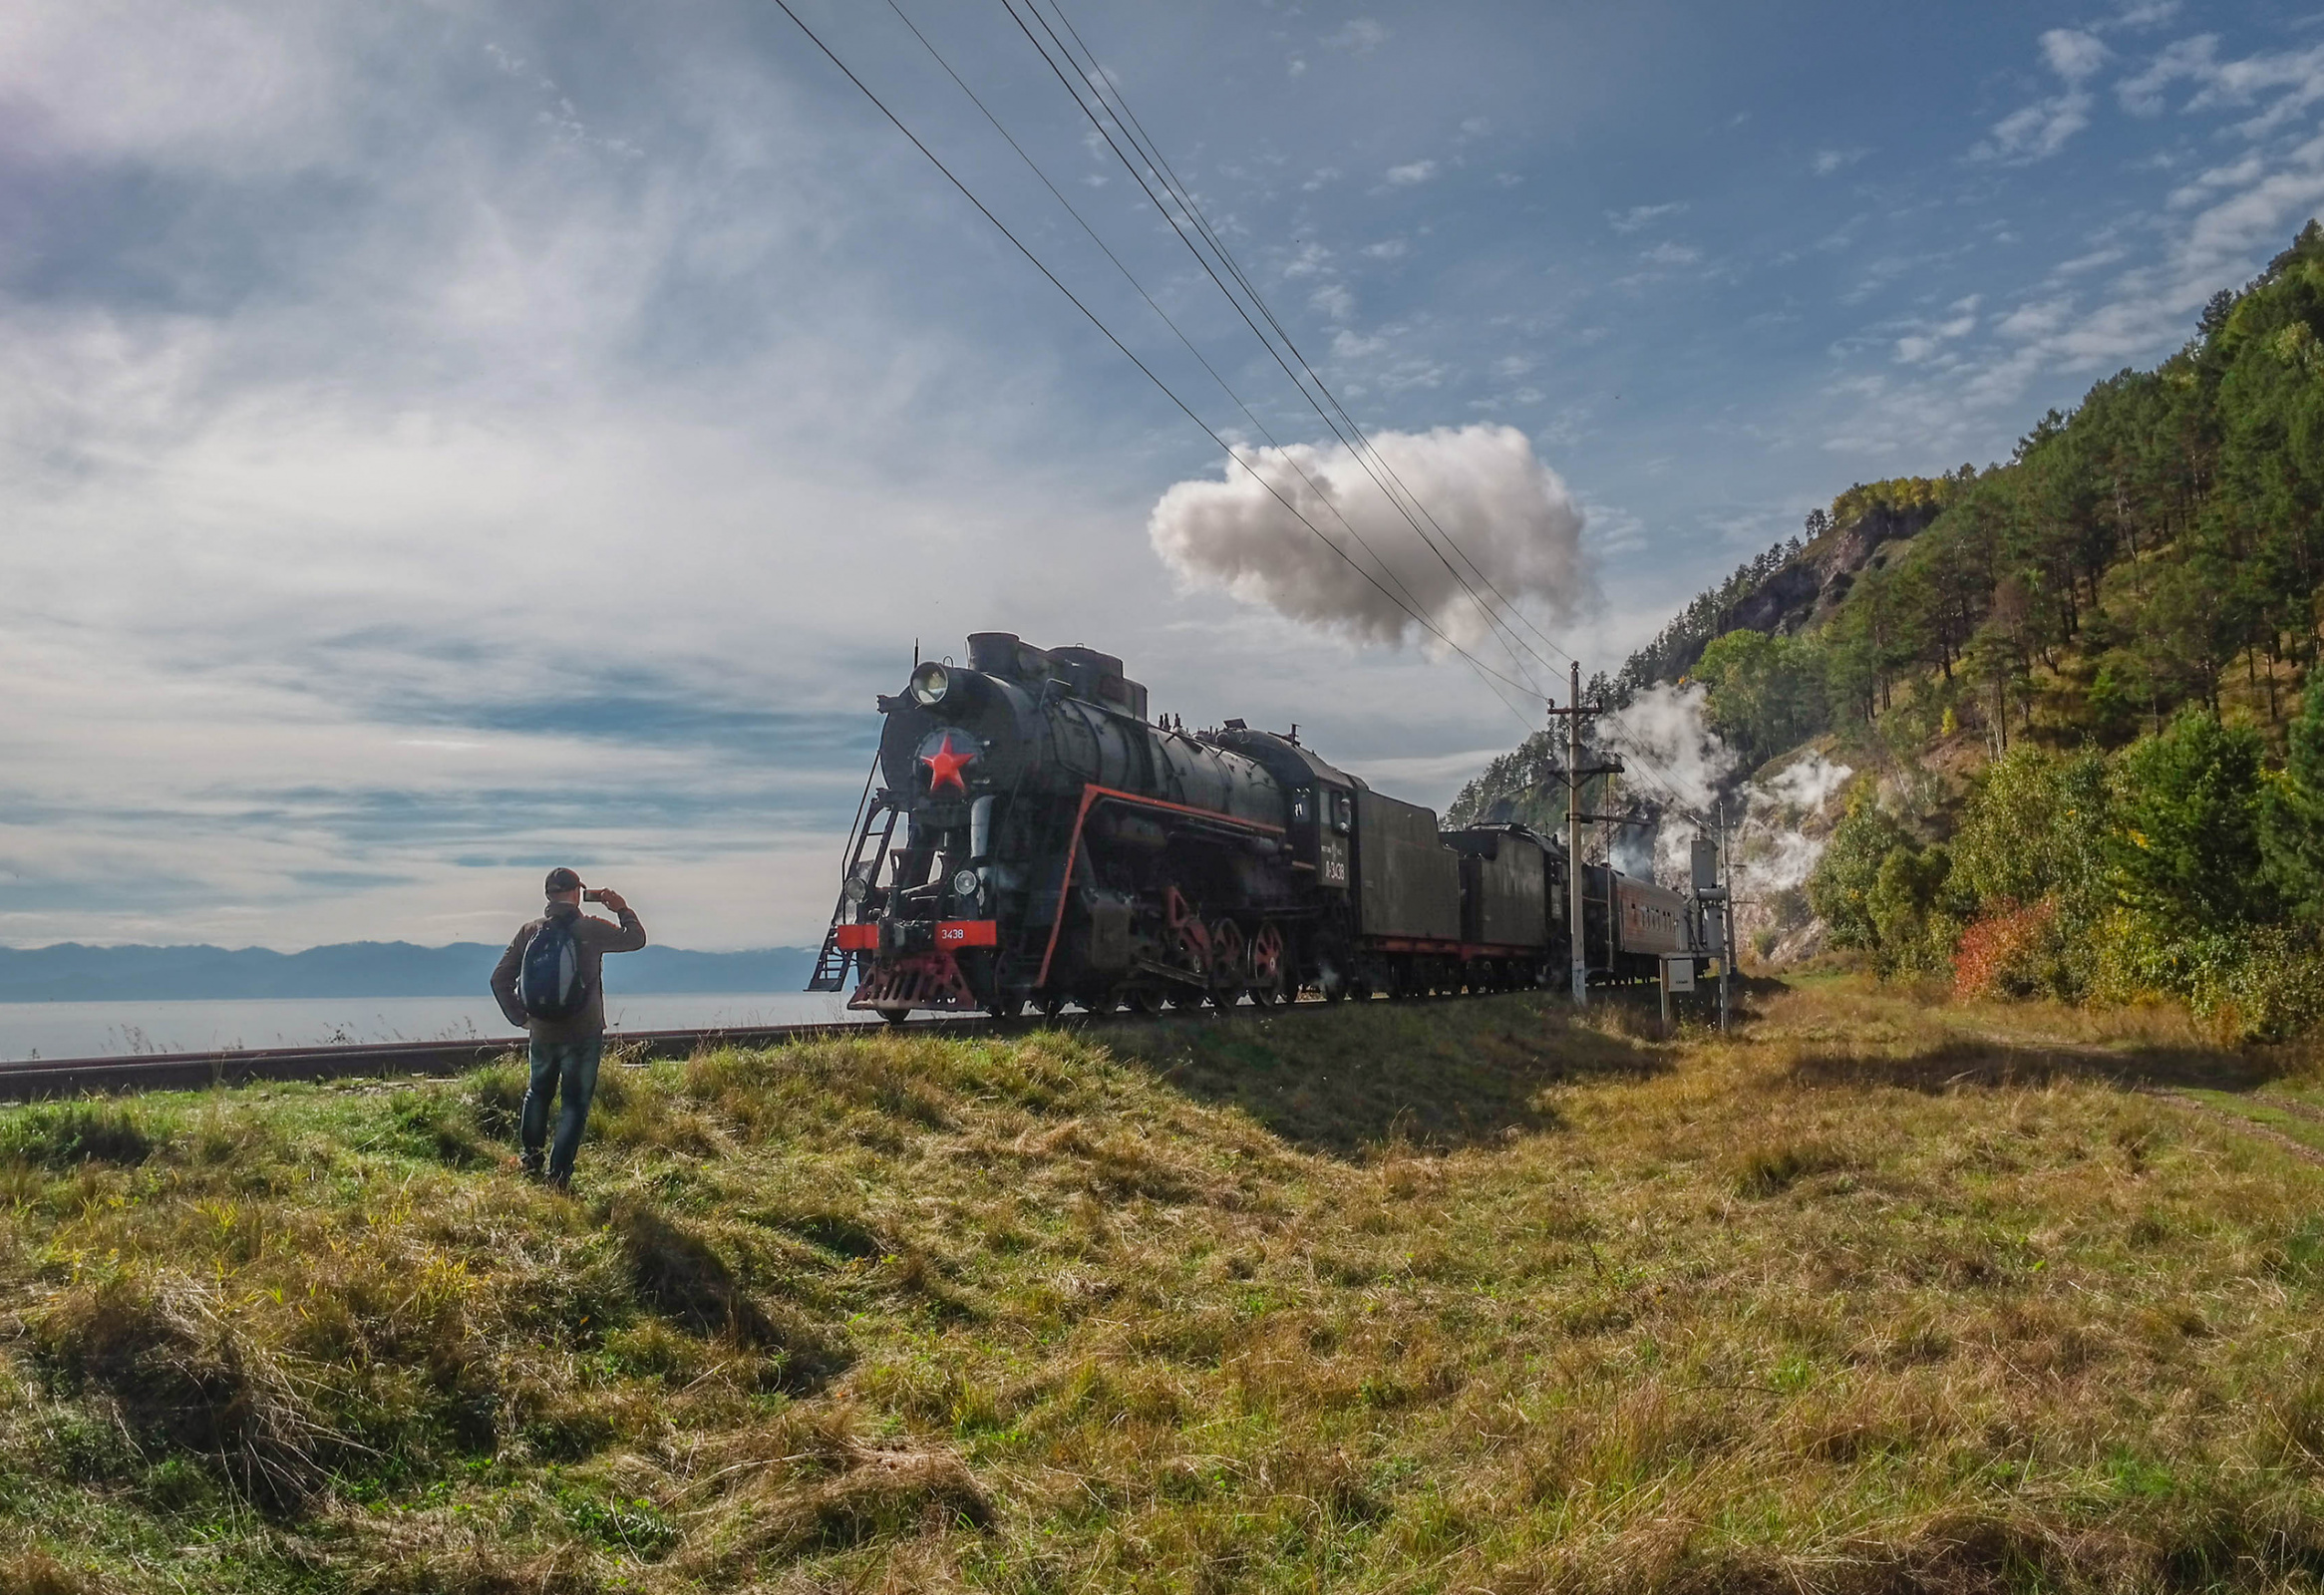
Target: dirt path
[(2298, 1148)]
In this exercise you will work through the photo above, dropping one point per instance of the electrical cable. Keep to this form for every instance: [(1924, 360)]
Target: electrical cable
[(1134, 129), (1129, 277), (933, 160), (1357, 447)]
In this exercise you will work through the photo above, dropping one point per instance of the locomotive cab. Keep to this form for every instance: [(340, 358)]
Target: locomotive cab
[(1322, 806)]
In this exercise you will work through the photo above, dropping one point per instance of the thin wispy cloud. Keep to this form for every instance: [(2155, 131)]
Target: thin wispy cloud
[(1359, 35), (2039, 131), (1637, 217)]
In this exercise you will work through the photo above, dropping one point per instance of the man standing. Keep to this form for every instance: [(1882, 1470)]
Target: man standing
[(560, 999)]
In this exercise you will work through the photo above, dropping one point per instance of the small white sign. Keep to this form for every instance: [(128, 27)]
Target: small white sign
[(1678, 974)]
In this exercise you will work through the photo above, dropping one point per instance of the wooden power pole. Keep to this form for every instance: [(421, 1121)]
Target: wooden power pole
[(1575, 714), (1573, 840)]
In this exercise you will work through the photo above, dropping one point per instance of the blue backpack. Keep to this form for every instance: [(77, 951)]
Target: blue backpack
[(552, 984)]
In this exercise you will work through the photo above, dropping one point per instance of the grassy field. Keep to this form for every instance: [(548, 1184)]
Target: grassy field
[(1876, 1295)]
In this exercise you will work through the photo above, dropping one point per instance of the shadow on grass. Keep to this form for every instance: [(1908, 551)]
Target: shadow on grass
[(1970, 1063), (1352, 1080)]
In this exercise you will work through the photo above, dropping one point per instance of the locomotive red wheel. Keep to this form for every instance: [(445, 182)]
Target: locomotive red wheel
[(1266, 965), (1228, 967)]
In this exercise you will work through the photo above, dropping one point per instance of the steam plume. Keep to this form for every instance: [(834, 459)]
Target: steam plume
[(1781, 821), (1502, 507)]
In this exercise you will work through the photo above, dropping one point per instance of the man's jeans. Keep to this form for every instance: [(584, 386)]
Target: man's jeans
[(567, 1070)]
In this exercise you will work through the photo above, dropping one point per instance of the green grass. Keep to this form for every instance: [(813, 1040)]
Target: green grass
[(1441, 1297)]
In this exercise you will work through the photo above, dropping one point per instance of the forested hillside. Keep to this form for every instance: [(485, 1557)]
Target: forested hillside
[(2070, 683)]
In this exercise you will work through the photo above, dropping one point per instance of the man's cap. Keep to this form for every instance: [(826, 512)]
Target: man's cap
[(561, 879)]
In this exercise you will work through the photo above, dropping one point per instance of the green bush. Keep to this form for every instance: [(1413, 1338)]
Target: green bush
[(2184, 845), (2257, 983)]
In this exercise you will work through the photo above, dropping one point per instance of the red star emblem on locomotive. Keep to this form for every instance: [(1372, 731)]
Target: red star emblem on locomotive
[(946, 766)]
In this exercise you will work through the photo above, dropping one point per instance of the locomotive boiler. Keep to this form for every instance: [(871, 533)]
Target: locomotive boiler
[(1031, 837)]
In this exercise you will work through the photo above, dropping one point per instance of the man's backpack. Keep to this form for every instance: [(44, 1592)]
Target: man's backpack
[(554, 984)]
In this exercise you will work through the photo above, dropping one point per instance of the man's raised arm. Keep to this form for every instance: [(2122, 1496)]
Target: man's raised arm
[(627, 937)]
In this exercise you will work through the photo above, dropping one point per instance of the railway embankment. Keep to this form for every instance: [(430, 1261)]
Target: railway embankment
[(1871, 1295)]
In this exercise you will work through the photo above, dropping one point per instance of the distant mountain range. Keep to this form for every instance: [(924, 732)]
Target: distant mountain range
[(72, 973)]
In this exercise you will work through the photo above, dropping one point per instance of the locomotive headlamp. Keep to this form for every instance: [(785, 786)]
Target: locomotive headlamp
[(858, 889), (929, 683), (964, 883)]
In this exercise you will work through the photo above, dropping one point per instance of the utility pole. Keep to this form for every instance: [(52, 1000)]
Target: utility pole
[(1726, 917), (1573, 839), (1574, 715)]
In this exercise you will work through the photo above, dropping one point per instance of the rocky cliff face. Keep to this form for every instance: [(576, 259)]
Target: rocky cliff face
[(1812, 584)]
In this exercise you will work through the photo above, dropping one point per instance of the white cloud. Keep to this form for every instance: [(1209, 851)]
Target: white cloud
[(1307, 260), (2145, 14), (1637, 217), (1359, 36), (2223, 231), (2285, 83), (1668, 253), (2073, 55), (2041, 130), (1919, 345), (1334, 300), (1501, 505), (2089, 262), (1828, 162), (2038, 132), (1387, 250), (2038, 319), (1412, 171)]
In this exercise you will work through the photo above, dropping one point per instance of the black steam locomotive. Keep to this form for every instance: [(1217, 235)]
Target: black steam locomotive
[(1031, 837)]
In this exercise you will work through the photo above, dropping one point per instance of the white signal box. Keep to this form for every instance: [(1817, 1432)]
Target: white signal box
[(1678, 974)]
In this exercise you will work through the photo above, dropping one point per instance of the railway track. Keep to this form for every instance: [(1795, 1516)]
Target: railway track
[(74, 1076)]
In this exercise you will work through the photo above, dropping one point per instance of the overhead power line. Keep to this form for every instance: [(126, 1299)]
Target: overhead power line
[(1094, 74), (1092, 78), (1002, 227), (1088, 69), (1152, 304)]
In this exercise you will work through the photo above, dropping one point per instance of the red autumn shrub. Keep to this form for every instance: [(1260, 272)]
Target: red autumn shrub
[(2005, 953)]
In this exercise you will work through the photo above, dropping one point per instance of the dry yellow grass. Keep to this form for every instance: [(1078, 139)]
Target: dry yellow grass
[(1879, 1295)]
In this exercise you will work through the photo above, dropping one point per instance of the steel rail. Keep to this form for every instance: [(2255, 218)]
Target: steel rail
[(34, 1078), (66, 1076)]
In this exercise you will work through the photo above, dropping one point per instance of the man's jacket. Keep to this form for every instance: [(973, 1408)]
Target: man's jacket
[(594, 939)]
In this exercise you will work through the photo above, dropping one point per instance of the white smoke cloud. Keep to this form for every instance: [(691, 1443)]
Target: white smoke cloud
[(1778, 822), (1500, 506), (1674, 756), (1807, 785)]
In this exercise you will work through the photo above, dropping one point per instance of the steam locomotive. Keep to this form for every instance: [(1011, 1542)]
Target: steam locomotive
[(1031, 837)]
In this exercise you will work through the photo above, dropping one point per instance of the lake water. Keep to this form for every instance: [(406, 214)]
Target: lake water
[(93, 1029)]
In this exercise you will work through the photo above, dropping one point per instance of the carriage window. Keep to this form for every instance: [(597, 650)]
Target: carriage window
[(1343, 812), (1302, 802)]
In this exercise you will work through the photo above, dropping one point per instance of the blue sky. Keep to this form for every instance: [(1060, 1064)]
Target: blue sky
[(443, 439)]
